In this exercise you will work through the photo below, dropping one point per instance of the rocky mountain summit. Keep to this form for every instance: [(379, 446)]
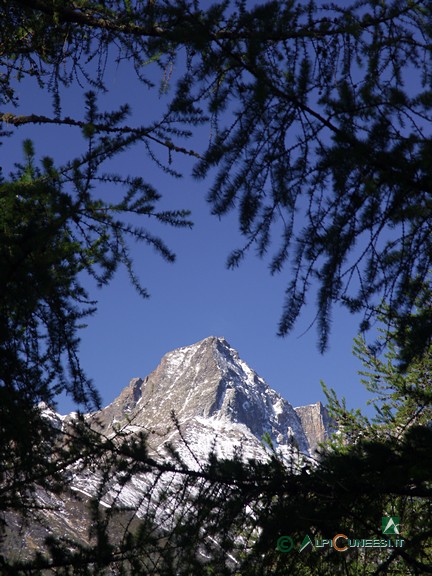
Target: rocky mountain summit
[(217, 399)]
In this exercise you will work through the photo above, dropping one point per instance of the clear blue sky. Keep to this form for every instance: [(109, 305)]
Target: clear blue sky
[(197, 296)]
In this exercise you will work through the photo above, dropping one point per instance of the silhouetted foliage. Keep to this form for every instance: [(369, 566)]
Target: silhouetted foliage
[(319, 138)]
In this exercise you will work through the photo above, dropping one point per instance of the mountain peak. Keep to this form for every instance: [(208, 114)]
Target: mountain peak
[(209, 345), (212, 340), (207, 382)]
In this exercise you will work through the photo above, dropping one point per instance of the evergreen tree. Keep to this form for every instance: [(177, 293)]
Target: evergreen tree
[(53, 230)]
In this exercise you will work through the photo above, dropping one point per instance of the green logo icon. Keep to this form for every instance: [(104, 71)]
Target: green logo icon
[(390, 525), (306, 542), (284, 544)]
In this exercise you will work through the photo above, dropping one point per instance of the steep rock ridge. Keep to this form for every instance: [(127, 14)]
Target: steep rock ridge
[(316, 422), (212, 392)]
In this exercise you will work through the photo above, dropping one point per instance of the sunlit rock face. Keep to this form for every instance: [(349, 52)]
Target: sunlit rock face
[(316, 424)]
